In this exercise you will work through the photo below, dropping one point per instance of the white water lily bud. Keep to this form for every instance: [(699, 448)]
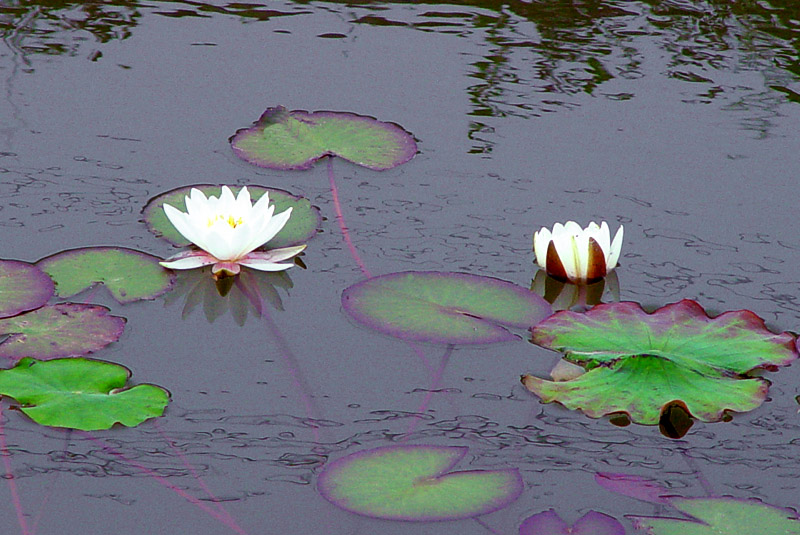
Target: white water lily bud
[(575, 254)]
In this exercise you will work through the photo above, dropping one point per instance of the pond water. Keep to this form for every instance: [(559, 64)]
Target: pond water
[(678, 119)]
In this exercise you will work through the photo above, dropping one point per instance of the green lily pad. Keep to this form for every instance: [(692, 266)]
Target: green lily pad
[(722, 516), (80, 394), (301, 227), (128, 274), (445, 308), (283, 139), (63, 330), (23, 287), (638, 363), (414, 483)]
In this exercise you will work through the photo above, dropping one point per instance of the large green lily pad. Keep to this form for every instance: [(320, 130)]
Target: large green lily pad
[(80, 394), (283, 139), (301, 227), (639, 362), (63, 330), (415, 483), (446, 308), (721, 516), (23, 287), (128, 274)]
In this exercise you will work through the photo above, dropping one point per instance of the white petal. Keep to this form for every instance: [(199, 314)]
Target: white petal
[(616, 249), (191, 260), (541, 240), (274, 255), (567, 253), (185, 225), (264, 265)]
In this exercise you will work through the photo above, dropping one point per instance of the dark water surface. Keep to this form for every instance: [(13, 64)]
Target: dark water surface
[(678, 119)]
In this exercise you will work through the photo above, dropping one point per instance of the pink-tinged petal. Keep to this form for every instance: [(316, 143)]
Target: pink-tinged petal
[(229, 268), (263, 265), (274, 255), (188, 260)]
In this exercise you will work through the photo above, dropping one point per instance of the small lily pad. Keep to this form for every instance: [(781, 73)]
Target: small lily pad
[(288, 140), (721, 516), (301, 227), (23, 287), (445, 308), (638, 362), (80, 394), (414, 483), (592, 523), (63, 330), (128, 274)]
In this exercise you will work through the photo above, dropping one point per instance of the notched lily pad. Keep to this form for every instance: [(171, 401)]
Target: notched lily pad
[(721, 516), (283, 139), (301, 227), (80, 394), (592, 523), (414, 483), (445, 308), (23, 287), (638, 362), (63, 330), (128, 274)]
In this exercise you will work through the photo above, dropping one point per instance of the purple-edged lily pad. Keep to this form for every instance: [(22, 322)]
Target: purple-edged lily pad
[(414, 483), (128, 274), (721, 516), (63, 330), (301, 227), (80, 394), (638, 362), (445, 308), (23, 287), (592, 523), (283, 139)]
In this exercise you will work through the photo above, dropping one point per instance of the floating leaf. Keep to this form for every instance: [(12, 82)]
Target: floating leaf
[(640, 362), (283, 139), (413, 483), (128, 274), (634, 486), (592, 523), (63, 330), (301, 227), (722, 516), (80, 394), (446, 308), (23, 287)]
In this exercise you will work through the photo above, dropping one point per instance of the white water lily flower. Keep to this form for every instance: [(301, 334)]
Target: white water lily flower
[(228, 230), (575, 254)]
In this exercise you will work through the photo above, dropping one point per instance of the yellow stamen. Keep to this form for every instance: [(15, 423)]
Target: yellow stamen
[(230, 220)]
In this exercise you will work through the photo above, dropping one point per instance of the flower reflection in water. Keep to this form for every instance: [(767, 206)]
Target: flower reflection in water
[(241, 296)]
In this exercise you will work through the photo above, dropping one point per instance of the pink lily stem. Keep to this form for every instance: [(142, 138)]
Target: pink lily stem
[(290, 360), (340, 218), (486, 526), (12, 484), (705, 483), (50, 488), (436, 381), (222, 511), (163, 481)]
